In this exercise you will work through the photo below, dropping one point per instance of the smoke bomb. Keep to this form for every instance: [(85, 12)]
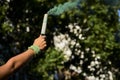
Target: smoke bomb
[(44, 24)]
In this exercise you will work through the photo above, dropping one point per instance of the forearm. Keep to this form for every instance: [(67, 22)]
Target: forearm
[(15, 63), (21, 59)]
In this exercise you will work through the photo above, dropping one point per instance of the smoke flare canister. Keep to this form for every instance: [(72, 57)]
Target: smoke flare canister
[(44, 24)]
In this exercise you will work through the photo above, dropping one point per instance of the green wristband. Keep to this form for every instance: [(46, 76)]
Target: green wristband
[(35, 48)]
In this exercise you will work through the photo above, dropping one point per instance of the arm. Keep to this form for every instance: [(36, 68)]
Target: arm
[(15, 63), (18, 61)]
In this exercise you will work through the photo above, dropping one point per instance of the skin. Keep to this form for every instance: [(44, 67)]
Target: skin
[(17, 62)]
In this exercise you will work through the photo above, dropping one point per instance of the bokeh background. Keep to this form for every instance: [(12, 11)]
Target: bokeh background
[(83, 41)]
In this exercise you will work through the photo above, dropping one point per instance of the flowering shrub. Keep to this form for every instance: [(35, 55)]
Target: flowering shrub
[(85, 63)]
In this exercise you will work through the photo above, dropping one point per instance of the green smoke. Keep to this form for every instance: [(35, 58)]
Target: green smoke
[(57, 10), (62, 8)]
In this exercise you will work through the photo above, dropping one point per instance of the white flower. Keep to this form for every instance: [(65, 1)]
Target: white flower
[(70, 26), (91, 78), (97, 66), (68, 52), (98, 57), (69, 39), (79, 70), (27, 29), (84, 74), (8, 0), (110, 75), (93, 55), (73, 42), (79, 51), (77, 27), (85, 20), (97, 78), (66, 57), (87, 49), (62, 36), (75, 31), (82, 56), (92, 63), (81, 62), (89, 66), (109, 62), (93, 52), (82, 53), (77, 45), (98, 72), (96, 62), (73, 57), (56, 39), (80, 36), (102, 75), (92, 69), (72, 67), (27, 19), (26, 10), (71, 30), (101, 79), (61, 46)]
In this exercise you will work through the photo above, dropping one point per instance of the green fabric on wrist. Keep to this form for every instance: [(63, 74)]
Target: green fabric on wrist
[(35, 48)]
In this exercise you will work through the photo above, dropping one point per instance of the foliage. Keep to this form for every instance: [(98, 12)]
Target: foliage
[(20, 24), (99, 24), (46, 66)]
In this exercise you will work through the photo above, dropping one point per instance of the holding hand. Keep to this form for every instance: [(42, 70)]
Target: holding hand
[(39, 44)]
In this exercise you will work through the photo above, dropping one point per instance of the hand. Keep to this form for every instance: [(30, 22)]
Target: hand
[(40, 42)]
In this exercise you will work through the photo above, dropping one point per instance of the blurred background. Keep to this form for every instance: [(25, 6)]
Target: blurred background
[(83, 41)]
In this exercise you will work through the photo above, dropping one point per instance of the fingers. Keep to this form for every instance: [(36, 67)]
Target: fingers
[(43, 36), (42, 43)]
